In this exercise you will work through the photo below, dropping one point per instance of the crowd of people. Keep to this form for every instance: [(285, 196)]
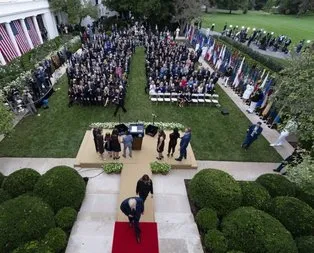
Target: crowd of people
[(172, 68)]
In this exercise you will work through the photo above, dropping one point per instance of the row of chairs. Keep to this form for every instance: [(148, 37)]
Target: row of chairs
[(195, 98)]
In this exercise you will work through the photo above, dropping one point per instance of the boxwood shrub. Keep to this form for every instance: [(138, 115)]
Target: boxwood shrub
[(277, 185), (23, 219), (306, 195), (250, 230), (215, 189), (2, 177), (20, 181), (206, 219), (294, 214), (33, 247), (235, 251), (55, 239), (4, 195), (254, 194), (66, 217), (60, 187), (305, 244), (215, 241)]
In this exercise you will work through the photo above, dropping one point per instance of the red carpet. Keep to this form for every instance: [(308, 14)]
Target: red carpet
[(124, 240)]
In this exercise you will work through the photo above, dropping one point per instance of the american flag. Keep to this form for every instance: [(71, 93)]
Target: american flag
[(20, 36), (32, 31), (6, 46)]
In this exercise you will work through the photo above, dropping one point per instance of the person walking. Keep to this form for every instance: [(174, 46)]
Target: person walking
[(144, 186), (160, 144), (291, 127), (173, 138), (29, 102), (185, 140), (133, 208), (119, 100), (127, 142), (251, 134)]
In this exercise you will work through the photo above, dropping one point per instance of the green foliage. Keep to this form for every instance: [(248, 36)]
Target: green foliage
[(20, 181), (306, 195), (33, 247), (253, 194), (294, 214), (230, 5), (115, 168), (160, 168), (251, 56), (65, 218), (4, 195), (250, 230), (23, 219), (215, 241), (235, 251), (6, 119), (2, 177), (215, 189), (305, 244), (55, 239), (206, 219), (277, 185), (61, 186)]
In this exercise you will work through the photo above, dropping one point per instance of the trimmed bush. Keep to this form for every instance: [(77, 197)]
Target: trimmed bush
[(23, 219), (235, 251), (306, 195), (2, 177), (294, 214), (277, 185), (305, 244), (253, 194), (215, 241), (4, 196), (33, 247), (215, 189), (56, 239), (20, 181), (60, 187), (65, 218), (206, 219), (251, 230)]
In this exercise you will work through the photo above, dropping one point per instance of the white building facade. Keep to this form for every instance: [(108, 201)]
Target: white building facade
[(24, 24)]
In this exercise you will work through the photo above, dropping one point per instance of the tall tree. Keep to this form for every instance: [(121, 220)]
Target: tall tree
[(231, 5), (294, 93), (76, 9)]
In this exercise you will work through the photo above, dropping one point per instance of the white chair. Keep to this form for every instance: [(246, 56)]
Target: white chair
[(153, 97), (214, 99), (201, 98), (215, 96), (167, 97), (174, 97), (208, 98), (194, 98), (160, 97)]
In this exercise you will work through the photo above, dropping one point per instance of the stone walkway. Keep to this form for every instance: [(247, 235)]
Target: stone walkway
[(177, 231)]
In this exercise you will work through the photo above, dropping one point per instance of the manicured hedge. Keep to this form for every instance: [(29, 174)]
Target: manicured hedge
[(235, 251), (21, 181), (251, 230), (66, 217), (56, 239), (215, 241), (60, 187), (23, 219), (4, 195), (254, 194), (33, 247), (215, 189), (306, 195), (277, 185), (2, 177), (305, 244), (294, 214), (206, 219)]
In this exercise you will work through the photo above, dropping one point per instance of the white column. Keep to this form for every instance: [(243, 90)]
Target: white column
[(12, 37), (50, 25), (2, 60), (37, 29), (30, 43)]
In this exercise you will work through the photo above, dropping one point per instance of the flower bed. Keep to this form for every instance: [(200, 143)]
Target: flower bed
[(113, 168), (160, 168)]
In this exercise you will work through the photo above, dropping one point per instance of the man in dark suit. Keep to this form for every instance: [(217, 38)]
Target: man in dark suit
[(133, 208), (251, 134), (119, 100), (185, 140)]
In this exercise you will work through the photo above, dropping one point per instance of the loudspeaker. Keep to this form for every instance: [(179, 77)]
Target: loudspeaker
[(151, 130), (121, 128), (224, 111)]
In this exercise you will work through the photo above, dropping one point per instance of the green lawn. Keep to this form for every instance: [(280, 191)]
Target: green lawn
[(58, 132), (297, 28)]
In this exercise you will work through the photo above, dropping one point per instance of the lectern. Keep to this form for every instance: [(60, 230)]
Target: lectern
[(137, 131)]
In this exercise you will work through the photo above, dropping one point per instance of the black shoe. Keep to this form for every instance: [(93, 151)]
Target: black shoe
[(285, 173), (138, 239), (276, 170), (178, 159)]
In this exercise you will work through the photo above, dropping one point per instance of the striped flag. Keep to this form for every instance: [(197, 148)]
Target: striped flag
[(236, 80), (20, 37), (6, 46), (32, 31)]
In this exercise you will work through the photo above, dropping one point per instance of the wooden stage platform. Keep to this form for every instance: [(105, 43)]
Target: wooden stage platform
[(88, 158)]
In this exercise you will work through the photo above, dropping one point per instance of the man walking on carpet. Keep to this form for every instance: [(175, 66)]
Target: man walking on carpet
[(251, 134), (133, 208), (185, 140)]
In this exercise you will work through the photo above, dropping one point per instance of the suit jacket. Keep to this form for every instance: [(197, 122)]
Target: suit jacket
[(185, 140), (125, 208), (253, 135)]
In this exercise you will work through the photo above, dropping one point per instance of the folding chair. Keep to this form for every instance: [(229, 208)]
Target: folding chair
[(153, 97), (201, 98), (174, 97), (194, 98), (167, 97), (160, 97)]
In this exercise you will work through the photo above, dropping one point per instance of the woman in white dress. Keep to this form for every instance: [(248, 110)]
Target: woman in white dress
[(248, 91)]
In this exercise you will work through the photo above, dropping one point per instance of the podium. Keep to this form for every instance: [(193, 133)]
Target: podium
[(137, 132)]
